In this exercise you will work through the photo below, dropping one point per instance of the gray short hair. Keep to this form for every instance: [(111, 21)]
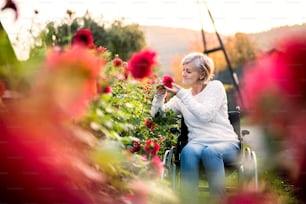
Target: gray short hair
[(202, 62)]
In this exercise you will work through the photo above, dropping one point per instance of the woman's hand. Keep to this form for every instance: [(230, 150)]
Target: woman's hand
[(174, 89)]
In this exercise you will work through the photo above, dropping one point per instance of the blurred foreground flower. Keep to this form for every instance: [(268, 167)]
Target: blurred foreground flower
[(70, 80), (275, 95)]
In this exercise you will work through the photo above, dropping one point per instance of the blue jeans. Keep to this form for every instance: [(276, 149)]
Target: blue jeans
[(213, 157)]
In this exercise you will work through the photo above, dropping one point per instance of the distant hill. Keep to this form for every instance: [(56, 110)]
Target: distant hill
[(170, 42), (266, 40)]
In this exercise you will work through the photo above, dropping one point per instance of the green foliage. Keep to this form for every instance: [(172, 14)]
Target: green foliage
[(280, 185), (10, 71), (122, 115)]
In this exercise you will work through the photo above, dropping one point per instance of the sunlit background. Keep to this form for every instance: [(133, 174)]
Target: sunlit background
[(230, 15)]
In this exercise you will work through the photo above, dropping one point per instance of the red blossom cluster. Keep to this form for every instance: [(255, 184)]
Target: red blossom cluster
[(141, 64)]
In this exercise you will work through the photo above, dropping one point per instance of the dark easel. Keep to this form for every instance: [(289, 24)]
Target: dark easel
[(220, 48)]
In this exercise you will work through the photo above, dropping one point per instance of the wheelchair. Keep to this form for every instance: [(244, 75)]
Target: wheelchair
[(246, 166)]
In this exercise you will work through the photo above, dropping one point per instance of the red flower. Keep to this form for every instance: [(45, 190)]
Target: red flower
[(84, 38), (107, 90), (136, 147), (151, 147), (2, 88), (167, 81), (141, 63), (150, 124), (117, 62)]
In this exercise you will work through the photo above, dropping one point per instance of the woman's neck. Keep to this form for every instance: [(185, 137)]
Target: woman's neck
[(197, 88)]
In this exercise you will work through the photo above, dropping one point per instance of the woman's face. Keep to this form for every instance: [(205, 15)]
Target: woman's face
[(191, 74)]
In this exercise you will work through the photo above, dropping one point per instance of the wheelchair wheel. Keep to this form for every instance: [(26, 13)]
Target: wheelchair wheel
[(248, 168)]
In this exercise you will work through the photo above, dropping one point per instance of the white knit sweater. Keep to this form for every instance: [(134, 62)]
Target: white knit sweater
[(205, 114)]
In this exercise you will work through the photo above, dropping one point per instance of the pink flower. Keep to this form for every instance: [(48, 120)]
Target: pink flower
[(140, 194), (167, 81), (156, 166), (151, 147), (83, 37), (141, 63), (101, 49)]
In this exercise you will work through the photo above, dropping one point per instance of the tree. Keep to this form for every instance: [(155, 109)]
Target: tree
[(118, 38), (124, 40), (240, 49)]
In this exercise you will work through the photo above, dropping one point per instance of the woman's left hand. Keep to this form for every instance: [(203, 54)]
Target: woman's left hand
[(174, 89)]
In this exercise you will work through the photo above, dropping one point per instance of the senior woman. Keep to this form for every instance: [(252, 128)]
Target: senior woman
[(211, 137)]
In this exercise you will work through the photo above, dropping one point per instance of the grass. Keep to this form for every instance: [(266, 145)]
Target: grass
[(273, 183)]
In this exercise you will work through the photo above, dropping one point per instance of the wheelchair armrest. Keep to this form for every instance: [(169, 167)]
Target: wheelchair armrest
[(167, 159)]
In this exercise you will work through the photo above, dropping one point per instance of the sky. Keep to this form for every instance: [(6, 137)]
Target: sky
[(230, 16)]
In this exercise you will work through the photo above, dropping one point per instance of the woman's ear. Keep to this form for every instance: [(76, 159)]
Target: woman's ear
[(202, 76)]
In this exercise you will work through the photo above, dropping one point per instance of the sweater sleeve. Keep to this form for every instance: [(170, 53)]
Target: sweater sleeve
[(159, 105), (206, 108)]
